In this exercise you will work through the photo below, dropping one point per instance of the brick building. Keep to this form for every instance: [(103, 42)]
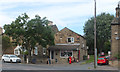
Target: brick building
[(67, 43), (115, 33)]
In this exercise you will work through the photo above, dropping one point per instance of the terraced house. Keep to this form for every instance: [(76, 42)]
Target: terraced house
[(67, 43)]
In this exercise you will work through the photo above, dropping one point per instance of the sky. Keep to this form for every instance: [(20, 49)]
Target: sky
[(64, 13)]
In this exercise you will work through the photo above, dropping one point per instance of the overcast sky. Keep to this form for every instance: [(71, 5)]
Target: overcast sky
[(64, 13)]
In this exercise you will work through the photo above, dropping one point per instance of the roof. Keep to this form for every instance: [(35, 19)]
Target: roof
[(73, 31), (18, 47), (116, 21), (64, 47)]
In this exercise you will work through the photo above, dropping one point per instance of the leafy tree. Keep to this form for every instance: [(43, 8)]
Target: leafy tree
[(30, 32), (5, 43), (103, 32)]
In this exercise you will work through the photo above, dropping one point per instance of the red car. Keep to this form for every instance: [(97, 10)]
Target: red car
[(102, 60)]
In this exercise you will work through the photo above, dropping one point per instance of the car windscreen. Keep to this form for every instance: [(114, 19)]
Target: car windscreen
[(13, 56), (100, 58)]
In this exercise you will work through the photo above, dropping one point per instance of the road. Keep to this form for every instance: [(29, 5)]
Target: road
[(75, 66), (15, 66)]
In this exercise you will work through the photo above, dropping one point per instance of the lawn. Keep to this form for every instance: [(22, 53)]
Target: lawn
[(90, 60)]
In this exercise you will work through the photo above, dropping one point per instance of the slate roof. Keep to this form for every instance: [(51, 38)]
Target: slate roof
[(64, 47), (116, 21)]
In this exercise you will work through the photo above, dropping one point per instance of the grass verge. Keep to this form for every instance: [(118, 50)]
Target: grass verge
[(90, 60)]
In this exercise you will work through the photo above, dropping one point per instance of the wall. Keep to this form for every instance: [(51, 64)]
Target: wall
[(115, 44), (61, 38)]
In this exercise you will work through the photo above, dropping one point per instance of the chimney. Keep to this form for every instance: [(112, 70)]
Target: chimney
[(118, 10)]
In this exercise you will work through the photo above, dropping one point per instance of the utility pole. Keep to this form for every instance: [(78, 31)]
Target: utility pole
[(95, 49)]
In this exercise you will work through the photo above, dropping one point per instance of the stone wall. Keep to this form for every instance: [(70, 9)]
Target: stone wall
[(115, 43), (1, 30), (61, 36)]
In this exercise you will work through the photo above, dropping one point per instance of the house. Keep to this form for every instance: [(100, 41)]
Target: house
[(1, 42), (67, 43), (17, 50), (1, 30), (115, 33)]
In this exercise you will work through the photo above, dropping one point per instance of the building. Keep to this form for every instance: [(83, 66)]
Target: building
[(53, 27), (1, 31), (67, 43), (115, 33)]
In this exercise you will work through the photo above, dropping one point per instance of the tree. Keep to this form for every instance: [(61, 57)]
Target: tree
[(5, 43), (30, 32), (103, 32)]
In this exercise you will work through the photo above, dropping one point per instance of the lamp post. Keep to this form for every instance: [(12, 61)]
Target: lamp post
[(95, 49)]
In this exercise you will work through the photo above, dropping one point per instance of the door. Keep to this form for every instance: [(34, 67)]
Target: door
[(6, 58), (52, 54), (78, 54)]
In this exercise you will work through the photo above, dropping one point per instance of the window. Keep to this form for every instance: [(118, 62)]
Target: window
[(66, 54), (70, 39), (83, 45), (16, 52), (6, 56), (44, 51), (35, 51)]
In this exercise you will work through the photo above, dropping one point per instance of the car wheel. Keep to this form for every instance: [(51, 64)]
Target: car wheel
[(10, 61), (3, 61), (107, 63)]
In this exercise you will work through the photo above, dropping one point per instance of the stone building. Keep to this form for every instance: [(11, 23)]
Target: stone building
[(67, 43), (115, 33), (1, 31)]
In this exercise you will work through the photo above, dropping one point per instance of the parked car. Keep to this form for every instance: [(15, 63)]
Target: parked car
[(11, 58), (102, 60)]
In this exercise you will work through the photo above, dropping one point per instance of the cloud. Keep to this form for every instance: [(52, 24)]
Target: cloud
[(70, 13), (42, 0)]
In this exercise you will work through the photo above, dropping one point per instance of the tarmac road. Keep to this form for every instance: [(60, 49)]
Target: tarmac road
[(75, 66), (18, 66)]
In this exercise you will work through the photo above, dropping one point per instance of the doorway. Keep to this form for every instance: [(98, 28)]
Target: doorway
[(52, 54)]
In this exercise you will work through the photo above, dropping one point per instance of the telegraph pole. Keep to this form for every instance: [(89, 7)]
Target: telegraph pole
[(95, 49)]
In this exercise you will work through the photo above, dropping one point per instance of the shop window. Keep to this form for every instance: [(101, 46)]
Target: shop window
[(66, 54)]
